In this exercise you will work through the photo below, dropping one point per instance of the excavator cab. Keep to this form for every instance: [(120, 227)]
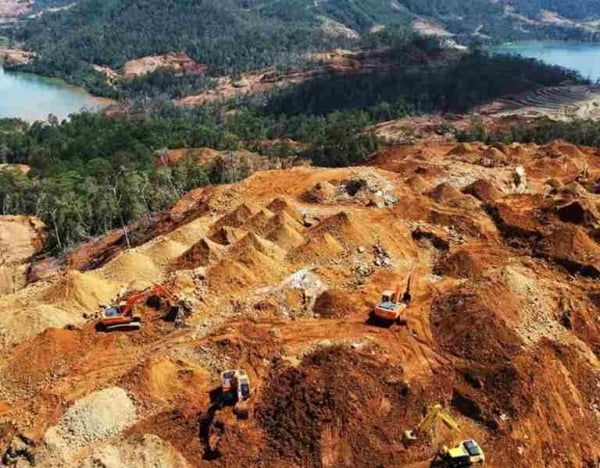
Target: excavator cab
[(235, 386), (464, 454), (112, 312), (392, 304), (387, 297)]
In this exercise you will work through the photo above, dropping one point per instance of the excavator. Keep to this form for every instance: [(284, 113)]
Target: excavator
[(392, 304), (235, 388), (121, 316), (464, 454)]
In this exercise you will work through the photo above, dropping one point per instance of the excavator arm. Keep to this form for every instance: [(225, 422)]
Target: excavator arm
[(428, 423), (406, 297), (127, 310), (448, 421), (429, 419)]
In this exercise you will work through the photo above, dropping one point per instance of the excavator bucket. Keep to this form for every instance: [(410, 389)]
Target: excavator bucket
[(241, 410), (408, 437)]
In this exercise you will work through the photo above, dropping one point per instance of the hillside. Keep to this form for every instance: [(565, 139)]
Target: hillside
[(572, 9), (231, 36), (282, 270)]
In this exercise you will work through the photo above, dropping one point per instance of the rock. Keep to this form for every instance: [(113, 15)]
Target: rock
[(322, 192), (148, 450), (93, 418)]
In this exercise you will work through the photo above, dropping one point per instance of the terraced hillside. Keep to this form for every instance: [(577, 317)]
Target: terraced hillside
[(555, 102)]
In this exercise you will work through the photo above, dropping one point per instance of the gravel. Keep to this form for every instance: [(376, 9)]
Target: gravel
[(91, 419)]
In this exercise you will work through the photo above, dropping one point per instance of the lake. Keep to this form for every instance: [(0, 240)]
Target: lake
[(581, 56), (31, 97)]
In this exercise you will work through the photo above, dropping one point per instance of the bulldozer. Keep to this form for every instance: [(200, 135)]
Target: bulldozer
[(122, 317), (465, 453), (235, 388), (392, 304)]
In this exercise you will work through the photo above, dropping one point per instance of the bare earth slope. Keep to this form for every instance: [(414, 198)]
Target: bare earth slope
[(282, 270), (563, 103)]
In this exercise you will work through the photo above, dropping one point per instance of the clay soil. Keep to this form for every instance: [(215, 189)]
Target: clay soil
[(503, 329)]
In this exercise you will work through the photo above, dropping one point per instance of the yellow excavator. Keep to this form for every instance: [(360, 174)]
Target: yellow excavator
[(464, 454)]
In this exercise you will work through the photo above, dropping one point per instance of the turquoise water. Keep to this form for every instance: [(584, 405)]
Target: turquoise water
[(580, 56), (31, 97)]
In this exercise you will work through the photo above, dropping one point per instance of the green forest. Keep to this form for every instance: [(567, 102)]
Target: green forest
[(573, 9), (94, 173), (232, 36)]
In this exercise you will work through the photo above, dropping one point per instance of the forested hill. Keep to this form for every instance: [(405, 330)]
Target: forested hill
[(229, 35), (572, 9), (236, 35)]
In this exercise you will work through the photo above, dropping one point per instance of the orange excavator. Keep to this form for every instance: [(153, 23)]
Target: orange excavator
[(392, 304), (121, 316)]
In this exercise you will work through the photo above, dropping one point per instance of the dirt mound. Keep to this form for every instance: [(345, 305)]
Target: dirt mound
[(572, 248), (258, 223), (279, 205), (284, 231), (343, 227), (203, 253), (81, 291), (164, 251), (462, 264), (132, 266), (559, 148), (444, 193), (190, 232), (462, 149), (50, 352), (333, 304), (519, 226), (317, 248), (163, 380), (235, 218), (228, 235), (417, 184), (335, 408), (17, 325), (251, 243), (483, 190), (495, 155), (465, 322), (253, 261)]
